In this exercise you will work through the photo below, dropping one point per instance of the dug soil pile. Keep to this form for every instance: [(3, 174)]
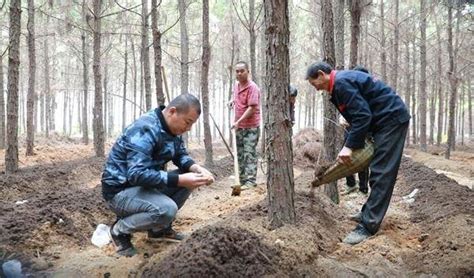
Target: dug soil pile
[(50, 205), (307, 144), (445, 214), (242, 245)]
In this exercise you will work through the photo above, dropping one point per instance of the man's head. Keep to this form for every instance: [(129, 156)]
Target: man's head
[(361, 68), (293, 93), (181, 113), (318, 75), (242, 71)]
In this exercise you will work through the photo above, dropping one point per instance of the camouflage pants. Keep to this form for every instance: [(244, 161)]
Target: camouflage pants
[(246, 140)]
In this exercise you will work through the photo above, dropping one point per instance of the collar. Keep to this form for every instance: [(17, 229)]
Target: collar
[(161, 118), (241, 88), (332, 78)]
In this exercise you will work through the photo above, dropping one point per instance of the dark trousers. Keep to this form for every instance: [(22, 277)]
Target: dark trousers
[(389, 143), (363, 179)]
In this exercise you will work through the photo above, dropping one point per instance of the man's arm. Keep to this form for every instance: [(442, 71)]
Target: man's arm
[(248, 113)]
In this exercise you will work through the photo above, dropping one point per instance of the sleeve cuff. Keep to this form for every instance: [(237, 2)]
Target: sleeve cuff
[(173, 179), (354, 145), (187, 165)]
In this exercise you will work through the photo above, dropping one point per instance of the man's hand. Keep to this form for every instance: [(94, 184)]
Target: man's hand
[(230, 104), (344, 156), (235, 125), (198, 169), (193, 180)]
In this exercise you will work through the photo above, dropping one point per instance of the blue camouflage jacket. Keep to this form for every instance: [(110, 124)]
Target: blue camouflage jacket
[(139, 155), (367, 104)]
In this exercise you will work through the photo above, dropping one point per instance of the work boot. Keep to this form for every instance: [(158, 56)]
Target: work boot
[(123, 243), (357, 217), (167, 234), (358, 235)]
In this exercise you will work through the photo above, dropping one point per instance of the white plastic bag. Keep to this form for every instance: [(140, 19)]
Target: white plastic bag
[(101, 237), (12, 269)]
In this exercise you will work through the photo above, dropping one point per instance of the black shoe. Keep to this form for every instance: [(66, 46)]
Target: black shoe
[(123, 243), (167, 234)]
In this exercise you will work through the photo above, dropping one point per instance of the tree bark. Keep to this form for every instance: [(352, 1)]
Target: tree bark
[(47, 88), (184, 46), (396, 42), (11, 154), (97, 113), (469, 101), (85, 80), (124, 102), (440, 88), (2, 107), (146, 55), (253, 40), (422, 92), (407, 86), (279, 155), (30, 129), (339, 20), (206, 57), (413, 98), (160, 96), (453, 81), (330, 144), (383, 52), (135, 75), (356, 10)]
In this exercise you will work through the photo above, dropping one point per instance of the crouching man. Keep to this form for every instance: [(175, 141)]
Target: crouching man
[(137, 189)]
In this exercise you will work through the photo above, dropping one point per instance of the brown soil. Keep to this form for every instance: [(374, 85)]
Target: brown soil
[(50, 233), (216, 252), (307, 145)]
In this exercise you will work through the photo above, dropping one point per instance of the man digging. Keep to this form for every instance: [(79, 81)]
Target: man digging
[(368, 105)]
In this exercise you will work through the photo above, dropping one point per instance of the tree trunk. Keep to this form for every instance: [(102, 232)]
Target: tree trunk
[(231, 75), (124, 100), (413, 98), (422, 92), (383, 52), (135, 74), (469, 101), (356, 10), (11, 154), (453, 85), (184, 46), (279, 155), (146, 55), (339, 20), (407, 86), (253, 40), (206, 57), (396, 40), (30, 130), (432, 112), (440, 88), (47, 88), (106, 97), (2, 107), (160, 96), (85, 79), (97, 113), (330, 144)]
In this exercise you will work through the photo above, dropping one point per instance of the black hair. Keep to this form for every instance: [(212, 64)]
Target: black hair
[(360, 68), (313, 69), (293, 91), (243, 63), (184, 101)]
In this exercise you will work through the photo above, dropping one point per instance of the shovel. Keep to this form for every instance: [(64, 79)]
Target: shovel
[(236, 188)]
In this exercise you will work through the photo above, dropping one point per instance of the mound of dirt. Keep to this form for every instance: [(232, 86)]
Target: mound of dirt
[(438, 197), (217, 252), (442, 210), (222, 168), (51, 205), (243, 245), (307, 145)]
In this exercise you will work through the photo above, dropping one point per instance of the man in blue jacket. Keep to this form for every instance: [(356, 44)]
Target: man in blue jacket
[(135, 185), (369, 105)]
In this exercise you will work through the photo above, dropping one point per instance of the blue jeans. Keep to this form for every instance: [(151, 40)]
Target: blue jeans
[(141, 209)]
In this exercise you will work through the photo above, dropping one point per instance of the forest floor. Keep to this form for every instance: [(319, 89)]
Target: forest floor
[(51, 207)]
